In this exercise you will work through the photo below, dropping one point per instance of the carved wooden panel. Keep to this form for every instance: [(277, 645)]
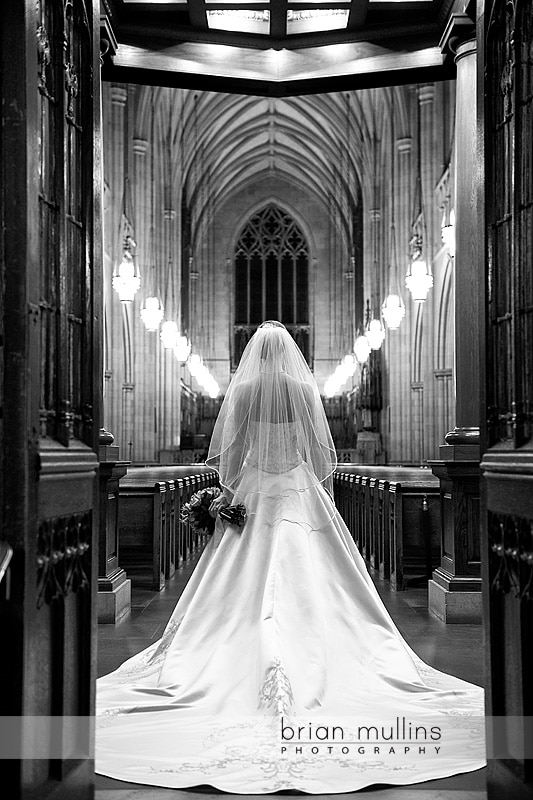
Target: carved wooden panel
[(500, 74), (64, 42), (51, 277), (510, 223), (523, 203), (511, 559), (61, 557), (49, 46), (507, 511)]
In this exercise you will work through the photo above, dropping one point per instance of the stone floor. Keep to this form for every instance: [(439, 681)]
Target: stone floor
[(452, 648)]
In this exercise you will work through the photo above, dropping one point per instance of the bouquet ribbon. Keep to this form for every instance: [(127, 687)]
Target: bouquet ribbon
[(234, 515)]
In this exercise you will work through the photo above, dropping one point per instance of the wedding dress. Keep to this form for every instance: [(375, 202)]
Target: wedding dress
[(280, 667)]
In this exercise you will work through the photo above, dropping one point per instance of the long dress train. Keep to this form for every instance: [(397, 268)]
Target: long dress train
[(280, 668)]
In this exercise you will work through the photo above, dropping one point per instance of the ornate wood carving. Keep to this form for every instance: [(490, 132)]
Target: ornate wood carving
[(50, 274), (508, 458), (62, 545), (510, 219), (64, 47), (511, 560)]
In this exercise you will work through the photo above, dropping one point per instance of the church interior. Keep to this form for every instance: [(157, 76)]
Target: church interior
[(173, 173)]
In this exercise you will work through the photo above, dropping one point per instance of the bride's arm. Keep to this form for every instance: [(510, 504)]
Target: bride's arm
[(234, 462), (234, 455)]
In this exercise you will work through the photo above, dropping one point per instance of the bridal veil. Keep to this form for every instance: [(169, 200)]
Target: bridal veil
[(272, 417)]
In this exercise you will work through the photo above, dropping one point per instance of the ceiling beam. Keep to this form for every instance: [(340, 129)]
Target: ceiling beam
[(400, 37), (268, 73)]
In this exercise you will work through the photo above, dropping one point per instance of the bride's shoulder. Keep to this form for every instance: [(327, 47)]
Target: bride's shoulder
[(243, 388), (245, 391), (303, 386)]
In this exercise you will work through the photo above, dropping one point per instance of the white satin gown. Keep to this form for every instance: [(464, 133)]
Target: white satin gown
[(280, 668)]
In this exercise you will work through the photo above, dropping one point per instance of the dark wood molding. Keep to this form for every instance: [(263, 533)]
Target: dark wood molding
[(358, 14), (459, 28), (197, 14), (157, 35)]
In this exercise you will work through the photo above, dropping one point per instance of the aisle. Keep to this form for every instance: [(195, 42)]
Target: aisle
[(452, 648)]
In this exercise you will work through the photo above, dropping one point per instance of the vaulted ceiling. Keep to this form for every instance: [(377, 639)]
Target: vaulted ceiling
[(279, 47), (326, 145)]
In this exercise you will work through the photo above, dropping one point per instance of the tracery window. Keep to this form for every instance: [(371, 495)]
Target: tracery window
[(271, 278)]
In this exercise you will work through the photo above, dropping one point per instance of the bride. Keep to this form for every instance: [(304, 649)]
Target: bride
[(280, 667)]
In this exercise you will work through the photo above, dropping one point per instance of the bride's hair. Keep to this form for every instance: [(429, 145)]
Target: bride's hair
[(272, 323), (272, 345)]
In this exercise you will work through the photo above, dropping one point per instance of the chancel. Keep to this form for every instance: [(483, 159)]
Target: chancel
[(181, 180)]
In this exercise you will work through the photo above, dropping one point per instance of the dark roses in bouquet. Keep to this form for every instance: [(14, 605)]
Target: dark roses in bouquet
[(196, 511)]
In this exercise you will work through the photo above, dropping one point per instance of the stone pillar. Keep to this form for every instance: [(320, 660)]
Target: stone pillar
[(114, 587), (171, 401), (142, 377), (373, 241), (114, 178), (400, 340), (423, 389), (455, 589)]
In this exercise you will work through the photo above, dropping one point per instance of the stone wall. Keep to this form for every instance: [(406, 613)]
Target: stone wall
[(324, 160)]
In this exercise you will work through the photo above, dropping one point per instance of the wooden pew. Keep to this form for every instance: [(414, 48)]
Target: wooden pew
[(150, 528), (393, 514), (383, 522), (143, 526)]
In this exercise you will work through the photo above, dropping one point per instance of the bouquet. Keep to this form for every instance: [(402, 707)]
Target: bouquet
[(196, 511)]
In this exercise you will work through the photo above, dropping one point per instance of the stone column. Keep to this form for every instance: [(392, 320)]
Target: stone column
[(114, 587), (114, 177), (172, 392), (426, 312), (455, 589), (143, 364), (373, 259), (402, 337)]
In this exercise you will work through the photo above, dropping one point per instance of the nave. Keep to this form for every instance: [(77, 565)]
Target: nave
[(103, 137), (451, 648)]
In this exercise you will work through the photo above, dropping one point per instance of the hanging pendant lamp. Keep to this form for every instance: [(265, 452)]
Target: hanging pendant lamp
[(393, 310), (152, 313), (126, 282), (419, 280), (375, 334), (362, 349), (182, 349)]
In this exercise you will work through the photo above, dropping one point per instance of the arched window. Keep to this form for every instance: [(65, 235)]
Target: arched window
[(271, 278)]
